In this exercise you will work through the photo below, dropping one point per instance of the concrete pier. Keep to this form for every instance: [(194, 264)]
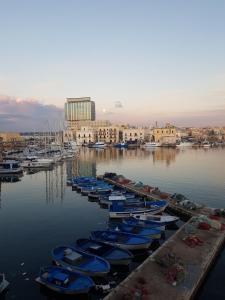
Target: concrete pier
[(149, 280)]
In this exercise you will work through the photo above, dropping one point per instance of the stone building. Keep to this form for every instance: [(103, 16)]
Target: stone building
[(164, 135), (86, 135)]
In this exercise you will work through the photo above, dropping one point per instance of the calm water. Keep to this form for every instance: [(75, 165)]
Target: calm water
[(40, 211)]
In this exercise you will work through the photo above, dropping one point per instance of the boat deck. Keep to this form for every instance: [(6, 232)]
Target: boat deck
[(150, 279)]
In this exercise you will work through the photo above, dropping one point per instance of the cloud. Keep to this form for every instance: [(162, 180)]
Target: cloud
[(18, 114), (118, 104)]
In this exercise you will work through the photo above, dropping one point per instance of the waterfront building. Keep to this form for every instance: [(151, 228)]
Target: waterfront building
[(9, 137), (108, 135), (79, 109), (164, 135), (75, 125), (69, 135), (86, 135), (133, 134)]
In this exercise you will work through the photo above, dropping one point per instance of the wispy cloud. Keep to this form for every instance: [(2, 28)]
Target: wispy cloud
[(18, 114)]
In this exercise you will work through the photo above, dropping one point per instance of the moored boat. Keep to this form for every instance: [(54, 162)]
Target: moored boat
[(99, 145), (113, 254), (158, 205), (152, 233), (119, 210), (121, 239), (158, 219), (64, 281), (149, 224), (108, 200), (121, 145), (151, 145), (77, 260), (10, 167)]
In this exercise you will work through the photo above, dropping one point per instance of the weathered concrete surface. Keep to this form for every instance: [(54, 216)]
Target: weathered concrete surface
[(196, 261), (150, 276)]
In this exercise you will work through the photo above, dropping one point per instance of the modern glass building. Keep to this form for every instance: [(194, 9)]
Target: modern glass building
[(79, 109)]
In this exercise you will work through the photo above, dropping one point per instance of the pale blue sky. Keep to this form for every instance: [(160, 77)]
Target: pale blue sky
[(161, 59)]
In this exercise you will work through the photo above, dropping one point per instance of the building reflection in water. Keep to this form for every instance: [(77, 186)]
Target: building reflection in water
[(85, 164), (55, 183), (167, 155)]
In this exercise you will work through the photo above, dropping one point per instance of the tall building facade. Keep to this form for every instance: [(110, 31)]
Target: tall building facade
[(79, 109)]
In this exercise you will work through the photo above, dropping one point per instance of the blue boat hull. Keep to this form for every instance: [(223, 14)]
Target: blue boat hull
[(114, 255), (78, 284), (90, 265)]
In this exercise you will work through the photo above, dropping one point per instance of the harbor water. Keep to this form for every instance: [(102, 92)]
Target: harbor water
[(38, 211)]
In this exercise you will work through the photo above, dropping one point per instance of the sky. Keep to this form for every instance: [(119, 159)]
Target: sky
[(140, 61)]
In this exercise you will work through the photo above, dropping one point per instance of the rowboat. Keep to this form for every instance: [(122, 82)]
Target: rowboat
[(113, 254), (119, 210), (152, 233), (158, 219), (143, 223), (123, 240), (64, 281), (77, 260)]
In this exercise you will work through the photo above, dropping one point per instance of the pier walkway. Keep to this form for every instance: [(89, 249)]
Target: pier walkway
[(152, 279)]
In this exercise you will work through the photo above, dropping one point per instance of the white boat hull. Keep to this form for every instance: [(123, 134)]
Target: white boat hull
[(12, 171), (132, 247), (113, 214)]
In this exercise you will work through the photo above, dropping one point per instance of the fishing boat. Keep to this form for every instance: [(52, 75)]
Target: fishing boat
[(152, 233), (83, 182), (38, 162), (64, 281), (121, 145), (145, 223), (113, 254), (100, 191), (119, 210), (108, 200), (3, 283), (158, 205), (77, 260), (159, 219), (123, 240), (98, 145), (151, 145), (10, 167)]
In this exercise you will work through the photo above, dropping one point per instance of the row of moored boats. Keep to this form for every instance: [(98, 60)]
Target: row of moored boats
[(77, 266)]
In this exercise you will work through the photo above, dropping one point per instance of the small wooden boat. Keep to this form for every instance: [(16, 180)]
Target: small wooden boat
[(119, 210), (121, 145), (158, 205), (164, 219), (103, 190), (77, 260), (64, 281), (143, 223), (113, 254), (152, 233), (108, 200), (94, 186), (3, 283), (121, 239)]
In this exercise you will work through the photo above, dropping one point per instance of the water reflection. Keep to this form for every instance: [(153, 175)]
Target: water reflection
[(55, 183), (80, 165)]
